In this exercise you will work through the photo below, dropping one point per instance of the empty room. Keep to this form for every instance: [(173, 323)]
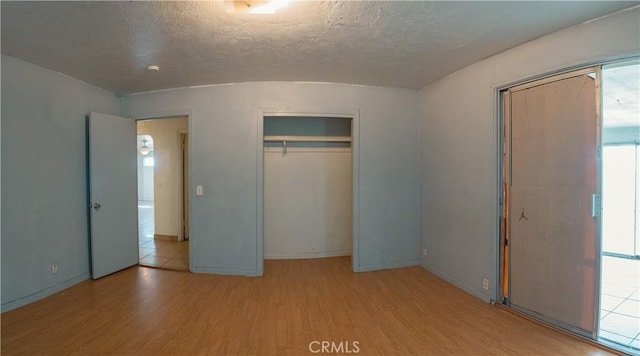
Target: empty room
[(320, 177)]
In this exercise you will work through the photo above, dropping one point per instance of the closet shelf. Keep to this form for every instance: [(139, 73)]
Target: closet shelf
[(307, 138)]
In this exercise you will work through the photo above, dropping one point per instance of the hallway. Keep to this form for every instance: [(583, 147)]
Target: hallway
[(158, 253)]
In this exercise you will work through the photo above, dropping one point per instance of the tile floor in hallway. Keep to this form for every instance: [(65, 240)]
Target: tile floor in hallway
[(620, 302), (164, 254), (158, 253)]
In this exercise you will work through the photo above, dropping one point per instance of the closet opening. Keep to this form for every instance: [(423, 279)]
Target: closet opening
[(308, 171)]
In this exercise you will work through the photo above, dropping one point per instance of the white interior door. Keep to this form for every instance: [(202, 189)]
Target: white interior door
[(553, 235), (113, 194)]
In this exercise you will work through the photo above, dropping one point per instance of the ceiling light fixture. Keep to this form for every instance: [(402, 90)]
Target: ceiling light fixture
[(144, 150), (271, 7), (153, 68)]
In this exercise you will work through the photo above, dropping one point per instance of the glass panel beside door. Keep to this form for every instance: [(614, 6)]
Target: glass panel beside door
[(619, 200)]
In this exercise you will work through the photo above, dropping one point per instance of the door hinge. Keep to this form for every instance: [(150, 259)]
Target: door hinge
[(596, 205)]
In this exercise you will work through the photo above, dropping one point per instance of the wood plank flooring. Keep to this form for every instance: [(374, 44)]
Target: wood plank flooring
[(148, 311)]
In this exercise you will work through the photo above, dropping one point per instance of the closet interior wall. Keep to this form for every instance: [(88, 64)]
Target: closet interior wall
[(307, 187)]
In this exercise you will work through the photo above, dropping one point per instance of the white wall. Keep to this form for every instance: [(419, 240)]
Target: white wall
[(459, 143), (44, 199), (224, 149), (167, 172)]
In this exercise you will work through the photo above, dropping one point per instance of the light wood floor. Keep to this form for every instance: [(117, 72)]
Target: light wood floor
[(160, 312)]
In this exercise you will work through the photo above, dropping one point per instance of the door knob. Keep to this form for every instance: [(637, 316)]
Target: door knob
[(97, 206)]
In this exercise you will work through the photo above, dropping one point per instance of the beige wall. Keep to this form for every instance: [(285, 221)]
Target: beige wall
[(167, 191)]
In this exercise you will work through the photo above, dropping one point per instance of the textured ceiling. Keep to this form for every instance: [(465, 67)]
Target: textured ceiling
[(396, 44)]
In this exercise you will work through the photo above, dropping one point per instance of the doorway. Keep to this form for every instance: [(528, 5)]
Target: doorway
[(163, 189)]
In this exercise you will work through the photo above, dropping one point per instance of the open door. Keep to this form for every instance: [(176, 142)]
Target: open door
[(112, 193)]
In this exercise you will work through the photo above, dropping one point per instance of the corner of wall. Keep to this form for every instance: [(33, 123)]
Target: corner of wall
[(35, 235), (476, 292)]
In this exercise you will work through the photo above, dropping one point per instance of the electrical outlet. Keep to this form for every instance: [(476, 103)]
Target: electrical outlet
[(485, 284), (424, 252), (54, 268)]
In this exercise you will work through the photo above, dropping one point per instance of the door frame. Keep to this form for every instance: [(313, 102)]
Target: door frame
[(355, 151), (170, 114), (181, 184), (503, 152)]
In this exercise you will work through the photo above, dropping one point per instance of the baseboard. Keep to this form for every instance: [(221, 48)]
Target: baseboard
[(17, 303), (165, 237), (390, 265), (476, 292), (295, 256), (225, 271)]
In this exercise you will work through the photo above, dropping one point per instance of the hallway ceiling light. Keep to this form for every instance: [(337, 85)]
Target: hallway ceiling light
[(144, 150)]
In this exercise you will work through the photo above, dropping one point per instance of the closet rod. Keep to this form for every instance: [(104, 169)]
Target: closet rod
[(308, 138)]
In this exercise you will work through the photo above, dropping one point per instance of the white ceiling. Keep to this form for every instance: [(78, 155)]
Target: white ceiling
[(397, 44)]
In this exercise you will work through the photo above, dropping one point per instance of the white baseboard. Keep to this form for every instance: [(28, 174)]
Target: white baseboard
[(295, 256), (17, 303), (225, 271), (390, 265), (476, 292)]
